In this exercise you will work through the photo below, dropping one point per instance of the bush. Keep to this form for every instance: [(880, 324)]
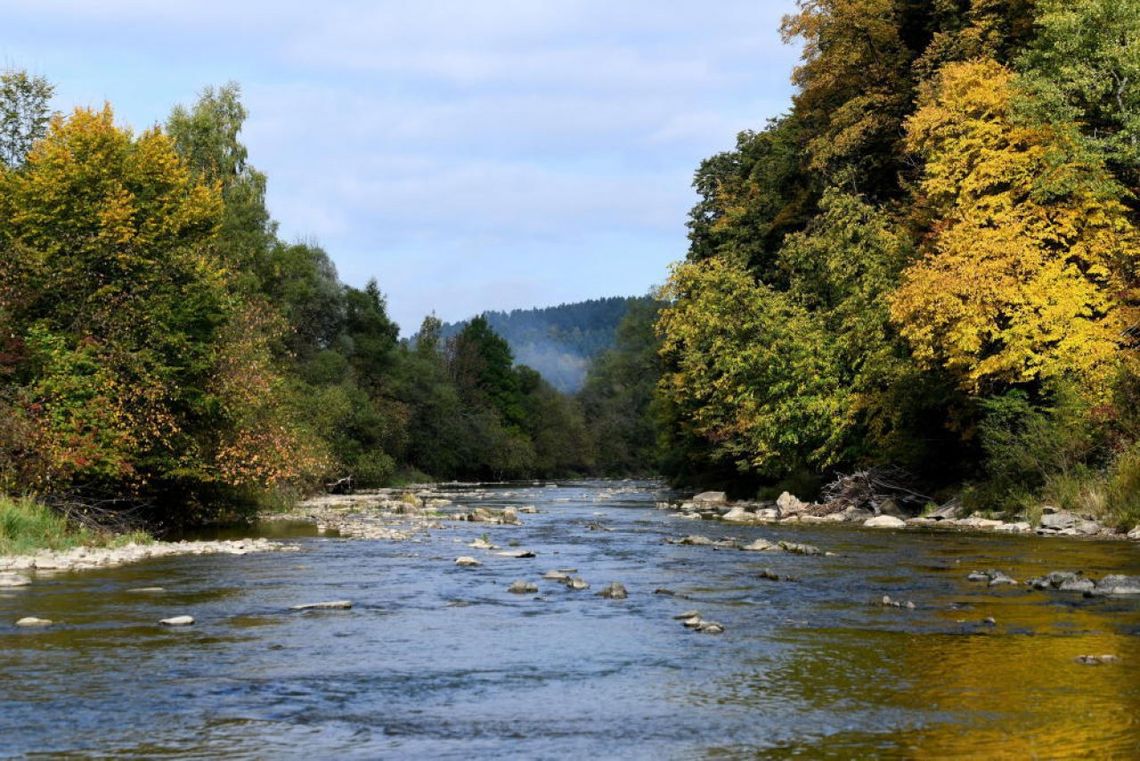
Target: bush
[(374, 468), (1124, 489)]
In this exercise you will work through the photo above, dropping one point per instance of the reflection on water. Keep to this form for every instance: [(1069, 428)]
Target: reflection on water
[(439, 661)]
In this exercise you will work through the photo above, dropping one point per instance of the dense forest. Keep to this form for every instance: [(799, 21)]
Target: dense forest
[(929, 261), (560, 342), (164, 350)]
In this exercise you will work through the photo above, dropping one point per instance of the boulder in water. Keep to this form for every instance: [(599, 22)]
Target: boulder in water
[(522, 587)]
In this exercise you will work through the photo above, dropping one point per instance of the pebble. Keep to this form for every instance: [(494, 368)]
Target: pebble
[(178, 621), (33, 621)]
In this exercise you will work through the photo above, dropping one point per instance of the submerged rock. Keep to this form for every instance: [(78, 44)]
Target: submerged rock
[(516, 554), (614, 591), (12, 580), (799, 549), (710, 627), (760, 545), (522, 587), (556, 576), (577, 583), (330, 605), (178, 621), (992, 577)]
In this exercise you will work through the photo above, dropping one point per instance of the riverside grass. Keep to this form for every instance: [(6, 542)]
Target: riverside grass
[(28, 526)]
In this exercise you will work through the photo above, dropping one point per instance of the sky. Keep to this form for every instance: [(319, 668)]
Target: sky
[(468, 154)]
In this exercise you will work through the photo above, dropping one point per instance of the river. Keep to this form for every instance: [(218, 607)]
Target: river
[(439, 661)]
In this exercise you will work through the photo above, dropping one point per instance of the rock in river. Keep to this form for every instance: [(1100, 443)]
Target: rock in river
[(466, 561), (884, 521), (330, 605), (33, 621), (13, 580), (614, 591), (522, 587), (178, 621)]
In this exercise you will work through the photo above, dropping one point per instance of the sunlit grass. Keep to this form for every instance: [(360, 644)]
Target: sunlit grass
[(29, 526)]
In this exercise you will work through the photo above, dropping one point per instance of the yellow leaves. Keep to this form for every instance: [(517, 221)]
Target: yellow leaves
[(1019, 278)]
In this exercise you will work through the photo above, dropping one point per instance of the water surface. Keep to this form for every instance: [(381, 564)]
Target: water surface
[(439, 661)]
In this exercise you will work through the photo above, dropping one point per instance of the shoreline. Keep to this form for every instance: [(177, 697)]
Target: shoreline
[(788, 510), (405, 514)]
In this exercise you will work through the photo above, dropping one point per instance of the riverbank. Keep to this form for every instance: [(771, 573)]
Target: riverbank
[(886, 514)]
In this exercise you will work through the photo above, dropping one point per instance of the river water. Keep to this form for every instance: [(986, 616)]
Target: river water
[(439, 661)]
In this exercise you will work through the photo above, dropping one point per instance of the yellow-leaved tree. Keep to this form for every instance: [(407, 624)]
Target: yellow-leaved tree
[(1028, 242)]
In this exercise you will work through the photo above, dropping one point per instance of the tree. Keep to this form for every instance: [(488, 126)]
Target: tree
[(749, 371), (1019, 278), (24, 114), (1088, 51), (207, 138), (143, 370)]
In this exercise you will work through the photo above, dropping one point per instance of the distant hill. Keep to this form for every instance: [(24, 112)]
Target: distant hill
[(559, 342)]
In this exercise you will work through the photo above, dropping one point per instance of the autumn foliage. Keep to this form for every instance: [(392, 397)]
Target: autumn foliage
[(931, 259)]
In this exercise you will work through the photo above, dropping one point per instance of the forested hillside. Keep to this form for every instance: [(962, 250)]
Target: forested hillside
[(560, 342), (931, 260)]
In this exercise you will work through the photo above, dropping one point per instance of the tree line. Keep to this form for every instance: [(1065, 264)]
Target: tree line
[(162, 347)]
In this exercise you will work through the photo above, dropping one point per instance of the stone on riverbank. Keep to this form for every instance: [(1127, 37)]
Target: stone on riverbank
[(788, 505), (884, 521), (711, 498), (29, 621), (178, 621)]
